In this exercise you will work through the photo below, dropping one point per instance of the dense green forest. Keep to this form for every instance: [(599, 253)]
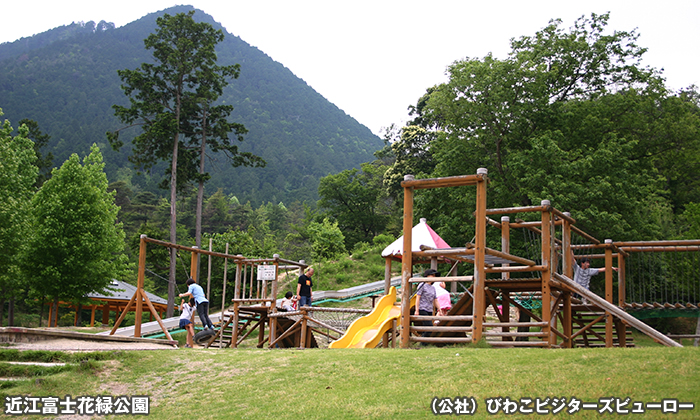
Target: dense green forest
[(66, 80)]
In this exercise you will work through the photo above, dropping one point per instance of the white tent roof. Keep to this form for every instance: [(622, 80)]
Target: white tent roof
[(421, 234)]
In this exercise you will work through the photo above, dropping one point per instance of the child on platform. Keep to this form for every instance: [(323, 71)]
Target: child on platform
[(443, 299), (288, 303), (187, 310)]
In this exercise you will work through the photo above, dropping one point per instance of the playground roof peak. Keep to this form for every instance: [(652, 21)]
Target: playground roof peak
[(421, 234)]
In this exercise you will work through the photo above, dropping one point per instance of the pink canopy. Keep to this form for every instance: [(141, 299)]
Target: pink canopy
[(421, 234)]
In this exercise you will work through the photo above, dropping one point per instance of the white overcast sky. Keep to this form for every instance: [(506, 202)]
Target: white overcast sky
[(375, 58)]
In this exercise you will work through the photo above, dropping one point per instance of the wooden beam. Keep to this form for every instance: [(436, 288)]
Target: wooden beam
[(451, 181), (512, 210)]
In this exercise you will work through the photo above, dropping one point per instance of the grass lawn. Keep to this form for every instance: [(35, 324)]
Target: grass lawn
[(379, 383)]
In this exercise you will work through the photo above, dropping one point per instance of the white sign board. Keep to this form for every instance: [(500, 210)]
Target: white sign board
[(266, 272)]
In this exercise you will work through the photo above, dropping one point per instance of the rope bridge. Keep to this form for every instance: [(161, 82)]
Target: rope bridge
[(663, 278)]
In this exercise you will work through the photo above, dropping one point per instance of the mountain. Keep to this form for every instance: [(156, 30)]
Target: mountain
[(66, 80)]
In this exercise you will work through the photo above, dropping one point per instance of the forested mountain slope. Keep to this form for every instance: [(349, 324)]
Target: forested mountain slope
[(66, 80)]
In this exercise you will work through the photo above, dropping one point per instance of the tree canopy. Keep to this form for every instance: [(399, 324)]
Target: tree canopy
[(571, 116), (18, 173), (77, 246), (357, 201)]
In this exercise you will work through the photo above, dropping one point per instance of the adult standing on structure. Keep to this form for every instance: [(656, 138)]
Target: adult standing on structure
[(426, 298), (305, 288), (195, 291)]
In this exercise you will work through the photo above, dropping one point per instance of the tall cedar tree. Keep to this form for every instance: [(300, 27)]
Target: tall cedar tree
[(164, 100)]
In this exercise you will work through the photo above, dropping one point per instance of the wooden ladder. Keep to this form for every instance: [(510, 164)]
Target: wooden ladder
[(595, 336)]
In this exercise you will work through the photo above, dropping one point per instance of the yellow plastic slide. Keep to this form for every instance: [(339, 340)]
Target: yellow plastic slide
[(367, 331)]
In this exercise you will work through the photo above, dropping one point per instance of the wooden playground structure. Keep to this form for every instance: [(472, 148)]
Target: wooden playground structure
[(494, 284), (252, 308), (570, 315)]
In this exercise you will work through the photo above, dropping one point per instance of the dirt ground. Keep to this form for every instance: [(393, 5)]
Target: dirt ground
[(75, 344), (65, 344)]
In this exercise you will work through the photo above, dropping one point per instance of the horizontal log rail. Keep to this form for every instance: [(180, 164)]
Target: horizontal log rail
[(514, 334), (446, 279), (441, 318), (510, 257), (517, 269), (670, 248), (195, 250), (519, 343), (684, 242), (438, 328), (450, 181), (448, 340), (252, 300), (513, 210), (444, 252), (514, 324)]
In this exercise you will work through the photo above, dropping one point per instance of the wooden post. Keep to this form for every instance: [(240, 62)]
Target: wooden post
[(236, 305), (105, 314), (302, 344), (621, 297), (139, 297), (608, 293), (387, 275), (193, 265), (223, 294), (406, 264), (505, 247), (568, 272), (480, 256), (141, 277), (505, 242), (547, 274), (211, 243), (273, 305), (387, 287)]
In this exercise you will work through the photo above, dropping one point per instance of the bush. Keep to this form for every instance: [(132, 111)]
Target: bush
[(360, 248), (382, 240)]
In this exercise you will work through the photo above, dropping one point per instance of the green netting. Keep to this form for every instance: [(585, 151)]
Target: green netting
[(528, 301), (664, 313)]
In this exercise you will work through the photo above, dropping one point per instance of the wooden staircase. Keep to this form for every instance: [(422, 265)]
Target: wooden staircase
[(595, 335), (224, 334)]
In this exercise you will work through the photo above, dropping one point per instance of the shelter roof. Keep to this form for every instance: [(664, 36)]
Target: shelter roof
[(124, 291), (421, 234)]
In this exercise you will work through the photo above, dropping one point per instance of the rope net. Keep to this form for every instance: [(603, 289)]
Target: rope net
[(667, 278)]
